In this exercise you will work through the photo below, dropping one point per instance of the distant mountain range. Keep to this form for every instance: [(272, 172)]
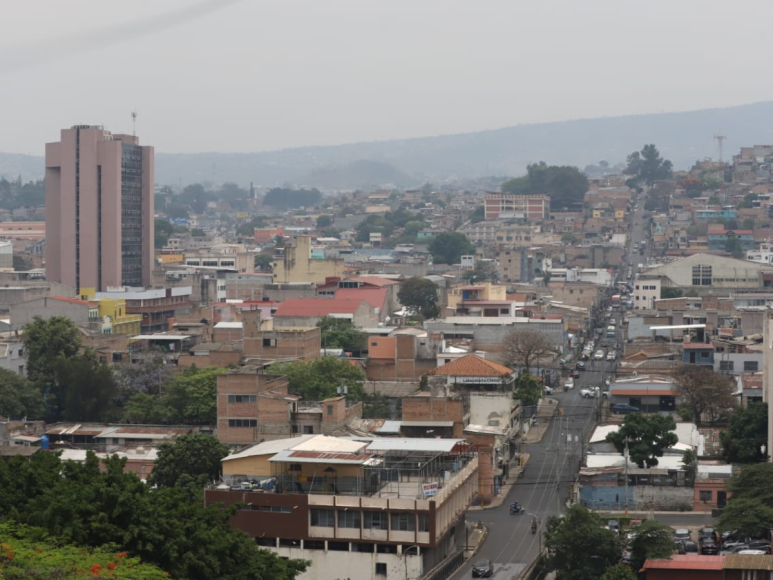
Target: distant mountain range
[(681, 137)]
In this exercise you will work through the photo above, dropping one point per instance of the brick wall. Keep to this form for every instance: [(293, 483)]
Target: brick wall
[(229, 358)]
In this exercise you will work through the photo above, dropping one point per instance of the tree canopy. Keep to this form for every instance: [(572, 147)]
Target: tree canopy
[(163, 230), (341, 333), (194, 457), (525, 347), (748, 431), (318, 379), (95, 503), (420, 295), (705, 393), (46, 342), (528, 390), (19, 398), (579, 547), (566, 185), (449, 247), (292, 198), (647, 166), (653, 540), (750, 508), (648, 436)]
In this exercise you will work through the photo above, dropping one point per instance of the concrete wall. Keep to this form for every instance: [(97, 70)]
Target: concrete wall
[(640, 497), (738, 360), (354, 565)]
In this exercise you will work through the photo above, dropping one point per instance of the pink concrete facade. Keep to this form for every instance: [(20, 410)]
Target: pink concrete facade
[(85, 173)]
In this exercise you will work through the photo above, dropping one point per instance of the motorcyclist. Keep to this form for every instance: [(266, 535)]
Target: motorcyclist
[(514, 507), (534, 525)]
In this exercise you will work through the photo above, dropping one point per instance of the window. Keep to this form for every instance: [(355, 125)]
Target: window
[(750, 365), (242, 422), (242, 398), (403, 523), (323, 518), (706, 495), (381, 569), (705, 354), (423, 522), (269, 342), (375, 521), (373, 344), (349, 519), (726, 365), (308, 429), (330, 410)]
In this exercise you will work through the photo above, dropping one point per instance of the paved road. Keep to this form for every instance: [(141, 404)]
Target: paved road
[(545, 486)]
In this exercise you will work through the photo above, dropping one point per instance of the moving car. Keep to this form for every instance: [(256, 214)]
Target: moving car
[(623, 409), (569, 384), (575, 374), (482, 569), (599, 355), (580, 366), (590, 392), (611, 355), (548, 390)]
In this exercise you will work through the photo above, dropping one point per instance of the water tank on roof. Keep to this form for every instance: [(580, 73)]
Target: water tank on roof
[(44, 442)]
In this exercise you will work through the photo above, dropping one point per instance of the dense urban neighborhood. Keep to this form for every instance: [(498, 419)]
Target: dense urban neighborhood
[(564, 373)]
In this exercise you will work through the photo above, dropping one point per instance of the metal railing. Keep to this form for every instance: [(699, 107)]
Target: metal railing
[(446, 568)]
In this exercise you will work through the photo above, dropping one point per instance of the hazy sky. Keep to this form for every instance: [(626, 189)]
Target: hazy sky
[(255, 75)]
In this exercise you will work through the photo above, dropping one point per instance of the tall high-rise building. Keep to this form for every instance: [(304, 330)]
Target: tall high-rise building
[(99, 209)]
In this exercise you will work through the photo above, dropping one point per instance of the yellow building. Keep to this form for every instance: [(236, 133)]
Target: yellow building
[(169, 258), (477, 291), (112, 311), (297, 265)]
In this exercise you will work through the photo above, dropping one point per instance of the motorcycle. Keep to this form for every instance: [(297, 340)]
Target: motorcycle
[(534, 528), (516, 509)]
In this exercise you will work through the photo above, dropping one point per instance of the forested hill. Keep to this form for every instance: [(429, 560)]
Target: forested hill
[(681, 137)]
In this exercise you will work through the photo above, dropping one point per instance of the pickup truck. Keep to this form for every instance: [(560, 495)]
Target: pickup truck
[(590, 392)]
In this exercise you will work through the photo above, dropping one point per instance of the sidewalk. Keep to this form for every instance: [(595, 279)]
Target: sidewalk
[(547, 409), (475, 540)]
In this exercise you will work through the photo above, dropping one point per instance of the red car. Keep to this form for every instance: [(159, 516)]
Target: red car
[(575, 374)]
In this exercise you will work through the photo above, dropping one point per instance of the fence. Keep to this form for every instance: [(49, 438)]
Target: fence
[(446, 568)]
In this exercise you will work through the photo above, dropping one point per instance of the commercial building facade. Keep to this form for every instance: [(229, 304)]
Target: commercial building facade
[(99, 209), (508, 206)]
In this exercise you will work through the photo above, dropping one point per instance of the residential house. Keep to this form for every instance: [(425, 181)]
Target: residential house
[(297, 265), (307, 312)]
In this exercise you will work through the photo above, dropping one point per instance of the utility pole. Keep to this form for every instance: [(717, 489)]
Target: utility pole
[(625, 457)]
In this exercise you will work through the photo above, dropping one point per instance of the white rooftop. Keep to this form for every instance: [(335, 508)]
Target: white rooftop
[(317, 443), (235, 325), (413, 444)]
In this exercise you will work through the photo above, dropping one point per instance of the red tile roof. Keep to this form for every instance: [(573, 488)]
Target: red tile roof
[(686, 562), (373, 296), (73, 300), (472, 365), (749, 232), (318, 306)]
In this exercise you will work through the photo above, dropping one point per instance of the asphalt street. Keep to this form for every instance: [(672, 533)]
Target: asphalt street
[(544, 489)]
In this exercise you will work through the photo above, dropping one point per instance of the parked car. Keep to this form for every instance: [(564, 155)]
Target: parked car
[(482, 569), (575, 374), (599, 355), (623, 409), (548, 390), (708, 546), (708, 532), (569, 384), (580, 366), (688, 547), (682, 534)]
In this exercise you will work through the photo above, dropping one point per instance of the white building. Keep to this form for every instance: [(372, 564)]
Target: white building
[(645, 292), (593, 275)]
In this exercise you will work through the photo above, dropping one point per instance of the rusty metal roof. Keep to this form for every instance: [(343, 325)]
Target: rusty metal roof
[(748, 562)]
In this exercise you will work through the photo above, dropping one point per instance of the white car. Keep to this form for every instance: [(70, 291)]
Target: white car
[(569, 384), (548, 390), (612, 321), (591, 392), (599, 355), (611, 355)]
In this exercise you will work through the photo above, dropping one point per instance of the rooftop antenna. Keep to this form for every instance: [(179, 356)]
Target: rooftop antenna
[(134, 123), (720, 140)]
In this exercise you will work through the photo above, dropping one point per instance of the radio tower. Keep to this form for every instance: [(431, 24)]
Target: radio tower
[(720, 140), (134, 124)]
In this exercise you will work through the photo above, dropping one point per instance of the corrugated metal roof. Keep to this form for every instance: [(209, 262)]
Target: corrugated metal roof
[(748, 562), (427, 423), (389, 427), (290, 456), (687, 562), (414, 444), (472, 366)]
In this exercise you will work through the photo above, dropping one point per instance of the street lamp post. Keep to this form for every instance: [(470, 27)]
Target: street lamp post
[(625, 457)]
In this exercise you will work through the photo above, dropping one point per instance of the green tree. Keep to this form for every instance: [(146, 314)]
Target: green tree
[(747, 432), (648, 436), (198, 233), (524, 347), (565, 185), (340, 333), (569, 239), (148, 377), (318, 379), (21, 264), (84, 389), (653, 540), (263, 263), (733, 247), (449, 247), (619, 572), (478, 215), (705, 393), (324, 221), (420, 295), (163, 230), (192, 396), (177, 211), (19, 398), (147, 409), (647, 166), (666, 292), (750, 508), (579, 547), (748, 202), (194, 456), (196, 197), (47, 341), (248, 229), (747, 224), (528, 390)]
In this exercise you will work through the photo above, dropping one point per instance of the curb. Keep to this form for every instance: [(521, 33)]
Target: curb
[(646, 513), (482, 538)]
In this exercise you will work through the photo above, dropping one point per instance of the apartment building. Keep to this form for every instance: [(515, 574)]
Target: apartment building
[(509, 206), (339, 503), (645, 291)]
